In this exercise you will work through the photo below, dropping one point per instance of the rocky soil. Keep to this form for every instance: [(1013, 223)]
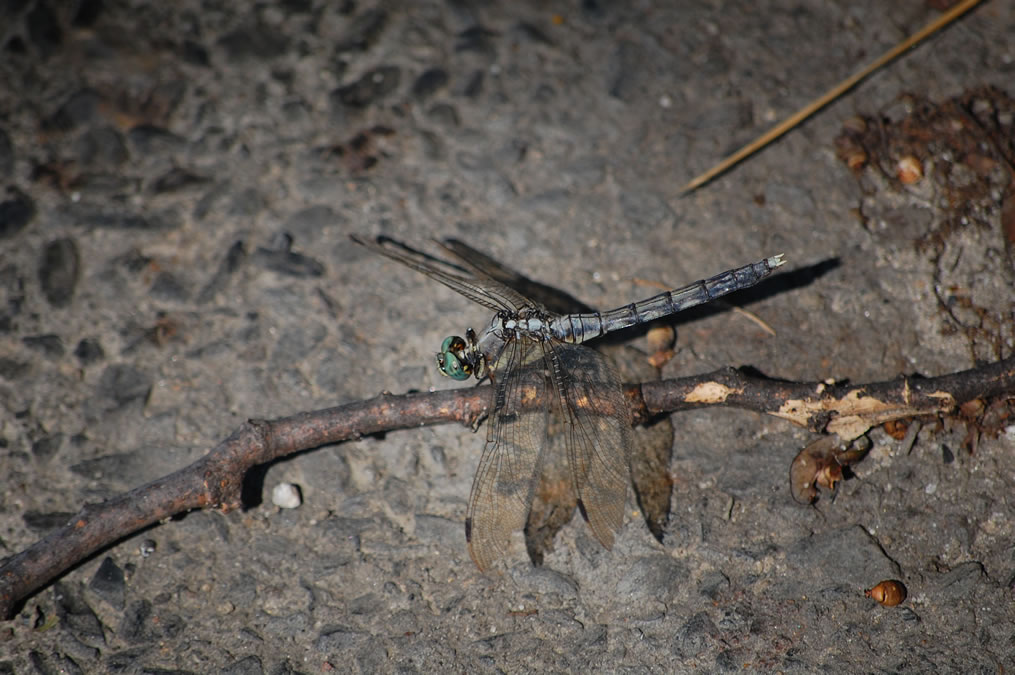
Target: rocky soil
[(178, 185)]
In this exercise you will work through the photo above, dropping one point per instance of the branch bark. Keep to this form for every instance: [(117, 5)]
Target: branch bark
[(215, 480)]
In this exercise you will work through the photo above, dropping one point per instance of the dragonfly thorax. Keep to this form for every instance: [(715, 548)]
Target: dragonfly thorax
[(529, 322)]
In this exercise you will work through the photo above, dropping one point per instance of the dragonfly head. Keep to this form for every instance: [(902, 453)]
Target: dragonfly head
[(452, 359)]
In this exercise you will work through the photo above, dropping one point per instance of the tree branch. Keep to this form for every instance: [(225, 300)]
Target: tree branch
[(215, 480)]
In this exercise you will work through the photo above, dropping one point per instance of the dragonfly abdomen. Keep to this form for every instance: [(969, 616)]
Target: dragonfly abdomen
[(577, 328)]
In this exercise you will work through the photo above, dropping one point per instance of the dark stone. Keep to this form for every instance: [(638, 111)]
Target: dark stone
[(297, 6), (43, 28), (171, 625), (250, 665), (476, 39), (128, 221), (147, 139), (338, 639), (285, 668), (123, 383), (46, 447), (127, 660), (176, 179), (59, 271), (12, 284), (167, 287), (368, 89), (109, 583), (75, 651), (88, 351), (77, 615), (15, 46), (713, 585), (628, 71), (86, 12), (15, 213), (247, 203), (429, 82), (255, 42), (13, 7), (194, 54), (544, 94), (695, 637), (523, 31), (288, 263), (101, 146), (56, 664), (82, 107), (363, 31), (474, 85), (11, 369), (444, 114), (37, 521), (230, 263), (210, 199), (133, 261), (116, 464), (6, 156), (730, 661), (132, 627), (106, 183), (48, 345)]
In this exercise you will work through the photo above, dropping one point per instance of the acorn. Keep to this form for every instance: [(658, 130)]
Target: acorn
[(661, 339), (889, 593)]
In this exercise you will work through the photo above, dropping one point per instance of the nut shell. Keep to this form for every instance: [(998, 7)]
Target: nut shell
[(888, 593)]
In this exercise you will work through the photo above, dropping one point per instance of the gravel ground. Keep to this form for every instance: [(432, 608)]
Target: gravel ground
[(180, 180)]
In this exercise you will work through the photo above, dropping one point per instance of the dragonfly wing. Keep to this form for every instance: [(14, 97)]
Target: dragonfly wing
[(484, 291), (502, 488), (553, 497), (598, 428), (483, 266)]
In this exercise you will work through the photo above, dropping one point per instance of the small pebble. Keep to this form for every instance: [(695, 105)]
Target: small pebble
[(147, 547), (286, 496), (909, 170)]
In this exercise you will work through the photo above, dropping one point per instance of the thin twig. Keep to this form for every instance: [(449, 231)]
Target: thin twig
[(215, 480)]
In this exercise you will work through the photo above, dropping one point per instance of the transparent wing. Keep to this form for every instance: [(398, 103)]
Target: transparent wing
[(482, 265), (516, 437), (482, 290), (598, 428)]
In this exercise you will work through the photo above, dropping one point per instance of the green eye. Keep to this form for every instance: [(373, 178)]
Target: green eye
[(452, 344), (451, 366), (450, 359)]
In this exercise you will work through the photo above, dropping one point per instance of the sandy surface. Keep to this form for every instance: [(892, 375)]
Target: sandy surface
[(180, 182)]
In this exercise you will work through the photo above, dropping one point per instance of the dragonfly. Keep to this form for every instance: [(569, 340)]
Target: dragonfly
[(544, 378)]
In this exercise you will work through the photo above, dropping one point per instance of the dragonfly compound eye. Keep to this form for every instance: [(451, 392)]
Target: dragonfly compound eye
[(449, 360)]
